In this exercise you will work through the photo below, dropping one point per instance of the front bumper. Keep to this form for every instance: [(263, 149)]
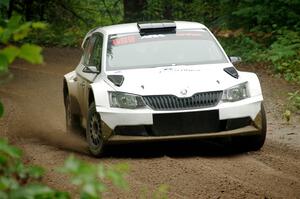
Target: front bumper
[(249, 109), (244, 131)]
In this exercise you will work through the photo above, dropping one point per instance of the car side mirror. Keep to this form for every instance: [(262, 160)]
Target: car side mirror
[(90, 69), (235, 59)]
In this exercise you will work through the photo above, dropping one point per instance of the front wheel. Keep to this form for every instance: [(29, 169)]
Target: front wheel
[(93, 131), (254, 142)]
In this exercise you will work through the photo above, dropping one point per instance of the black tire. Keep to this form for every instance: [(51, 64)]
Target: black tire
[(254, 142), (72, 120), (94, 132)]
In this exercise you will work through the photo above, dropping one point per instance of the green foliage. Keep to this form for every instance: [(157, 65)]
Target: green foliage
[(294, 100), (54, 36), (265, 15), (284, 54), (243, 46), (293, 105), (4, 3), (12, 31), (70, 20), (287, 115), (90, 178), (18, 181), (15, 30), (161, 192)]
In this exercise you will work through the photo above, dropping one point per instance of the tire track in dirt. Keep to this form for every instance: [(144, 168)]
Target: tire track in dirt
[(240, 176), (35, 121)]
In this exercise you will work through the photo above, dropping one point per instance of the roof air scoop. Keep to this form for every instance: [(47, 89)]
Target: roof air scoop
[(157, 27), (232, 71), (117, 80)]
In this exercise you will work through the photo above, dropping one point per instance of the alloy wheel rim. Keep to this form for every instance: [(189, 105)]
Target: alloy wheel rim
[(95, 130)]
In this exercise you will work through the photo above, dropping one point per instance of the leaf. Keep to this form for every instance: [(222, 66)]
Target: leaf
[(100, 171), (4, 3), (71, 165), (33, 191), (116, 178), (3, 160), (31, 53), (11, 52), (90, 189), (22, 31), (11, 26), (39, 25), (11, 151), (61, 195), (20, 169), (14, 22), (3, 195), (161, 192), (287, 115), (35, 172), (3, 63), (8, 183)]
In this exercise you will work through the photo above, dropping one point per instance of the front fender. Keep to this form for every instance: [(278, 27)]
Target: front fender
[(70, 88), (253, 83), (100, 90)]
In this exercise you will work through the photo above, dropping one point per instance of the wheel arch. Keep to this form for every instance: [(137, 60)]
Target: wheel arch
[(91, 97), (65, 90), (70, 89)]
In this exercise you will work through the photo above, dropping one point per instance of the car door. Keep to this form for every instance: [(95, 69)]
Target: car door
[(92, 57)]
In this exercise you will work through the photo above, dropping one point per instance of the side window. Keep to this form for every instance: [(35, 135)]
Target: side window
[(87, 48), (96, 53)]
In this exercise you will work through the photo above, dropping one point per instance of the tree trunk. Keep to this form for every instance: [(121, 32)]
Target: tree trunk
[(10, 8), (133, 10), (42, 9), (168, 11), (28, 10)]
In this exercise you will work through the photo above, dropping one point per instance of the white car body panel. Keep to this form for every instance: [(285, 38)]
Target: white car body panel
[(168, 80)]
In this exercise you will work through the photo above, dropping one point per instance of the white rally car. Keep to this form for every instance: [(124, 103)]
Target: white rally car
[(161, 81)]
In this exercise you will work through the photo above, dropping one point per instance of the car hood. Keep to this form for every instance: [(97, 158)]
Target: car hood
[(181, 81)]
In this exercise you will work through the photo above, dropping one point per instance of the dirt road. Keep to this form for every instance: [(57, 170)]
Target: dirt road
[(34, 121)]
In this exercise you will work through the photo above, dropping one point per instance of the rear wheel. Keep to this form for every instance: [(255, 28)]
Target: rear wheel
[(94, 132), (254, 142), (72, 120)]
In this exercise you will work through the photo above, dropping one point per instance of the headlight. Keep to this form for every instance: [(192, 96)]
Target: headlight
[(125, 100), (236, 93)]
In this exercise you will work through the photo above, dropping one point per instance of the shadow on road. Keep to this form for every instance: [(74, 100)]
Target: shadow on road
[(204, 148)]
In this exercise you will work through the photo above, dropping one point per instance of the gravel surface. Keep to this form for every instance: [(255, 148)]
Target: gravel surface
[(35, 121)]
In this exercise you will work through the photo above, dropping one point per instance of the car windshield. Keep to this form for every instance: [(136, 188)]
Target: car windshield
[(190, 47)]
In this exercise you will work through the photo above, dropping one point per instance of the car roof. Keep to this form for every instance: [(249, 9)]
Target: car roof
[(132, 27)]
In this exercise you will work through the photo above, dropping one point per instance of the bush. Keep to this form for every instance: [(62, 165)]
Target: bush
[(284, 54), (280, 50), (90, 178), (242, 45), (19, 181)]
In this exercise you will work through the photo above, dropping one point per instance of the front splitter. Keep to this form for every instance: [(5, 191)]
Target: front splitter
[(244, 131)]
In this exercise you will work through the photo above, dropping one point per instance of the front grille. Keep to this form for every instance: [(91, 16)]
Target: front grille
[(171, 102)]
